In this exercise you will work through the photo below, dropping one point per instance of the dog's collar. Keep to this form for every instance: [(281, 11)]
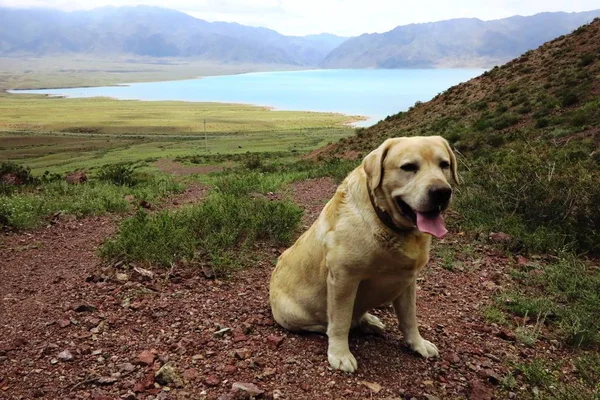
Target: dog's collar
[(384, 217)]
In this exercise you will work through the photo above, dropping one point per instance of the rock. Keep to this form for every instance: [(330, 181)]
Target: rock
[(53, 361), (167, 376), (243, 354), (11, 179), (208, 272), (249, 388), (480, 391), (505, 334), (63, 323), (372, 386), (452, 357), (500, 237), (190, 374), (65, 355), (431, 397), (84, 308), (121, 277), (146, 205), (146, 383), (239, 336), (126, 367), (129, 396), (275, 340), (491, 376), (230, 369), (522, 261), (144, 273), (106, 380), (212, 380), (269, 372), (146, 357), (76, 178), (221, 332)]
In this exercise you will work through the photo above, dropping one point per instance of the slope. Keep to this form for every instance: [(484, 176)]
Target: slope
[(454, 43), (529, 135)]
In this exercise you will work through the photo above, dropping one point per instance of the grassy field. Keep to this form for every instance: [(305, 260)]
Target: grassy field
[(69, 71), (61, 135)]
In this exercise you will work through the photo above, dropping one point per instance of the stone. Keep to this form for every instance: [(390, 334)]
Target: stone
[(275, 340), (146, 357), (121, 277), (480, 391), (63, 323), (212, 380), (372, 386), (249, 388), (84, 308), (76, 178), (65, 355), (167, 376)]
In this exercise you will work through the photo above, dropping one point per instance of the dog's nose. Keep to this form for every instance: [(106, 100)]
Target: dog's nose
[(440, 195)]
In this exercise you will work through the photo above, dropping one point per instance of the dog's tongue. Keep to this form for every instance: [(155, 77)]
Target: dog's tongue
[(432, 224)]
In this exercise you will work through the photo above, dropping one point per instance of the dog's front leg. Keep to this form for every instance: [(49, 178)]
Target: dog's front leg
[(405, 306), (341, 294)]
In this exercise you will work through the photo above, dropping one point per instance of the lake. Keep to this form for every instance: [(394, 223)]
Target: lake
[(374, 93)]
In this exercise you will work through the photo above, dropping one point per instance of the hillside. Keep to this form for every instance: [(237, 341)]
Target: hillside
[(153, 32), (529, 136), (454, 43)]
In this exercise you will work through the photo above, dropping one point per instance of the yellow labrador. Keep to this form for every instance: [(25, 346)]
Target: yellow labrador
[(367, 247)]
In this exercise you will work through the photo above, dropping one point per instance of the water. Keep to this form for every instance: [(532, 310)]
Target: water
[(374, 93)]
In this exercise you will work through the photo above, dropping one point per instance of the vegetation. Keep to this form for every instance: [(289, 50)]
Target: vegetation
[(39, 199), (67, 134), (234, 217)]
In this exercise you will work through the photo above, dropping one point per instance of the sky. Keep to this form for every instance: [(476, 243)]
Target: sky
[(341, 17)]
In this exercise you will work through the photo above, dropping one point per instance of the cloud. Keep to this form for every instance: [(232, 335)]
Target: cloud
[(344, 17)]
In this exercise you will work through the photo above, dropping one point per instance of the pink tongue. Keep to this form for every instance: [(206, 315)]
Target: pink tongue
[(434, 225)]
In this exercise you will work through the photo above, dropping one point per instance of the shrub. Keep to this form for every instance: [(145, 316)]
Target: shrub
[(119, 174), (586, 60), (569, 99)]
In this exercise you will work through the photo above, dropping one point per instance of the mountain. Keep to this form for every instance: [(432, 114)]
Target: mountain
[(153, 32), (454, 43), (527, 135)]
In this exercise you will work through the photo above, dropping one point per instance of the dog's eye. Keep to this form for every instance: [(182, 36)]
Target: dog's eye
[(410, 167), (444, 165)]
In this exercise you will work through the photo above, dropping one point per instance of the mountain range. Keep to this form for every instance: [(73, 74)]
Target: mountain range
[(158, 33)]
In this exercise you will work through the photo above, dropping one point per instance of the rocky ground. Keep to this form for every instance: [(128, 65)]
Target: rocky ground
[(73, 327)]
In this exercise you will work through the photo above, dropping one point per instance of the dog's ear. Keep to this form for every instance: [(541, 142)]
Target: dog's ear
[(373, 164), (453, 162)]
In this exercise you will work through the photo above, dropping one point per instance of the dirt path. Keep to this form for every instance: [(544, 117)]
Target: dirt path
[(73, 329)]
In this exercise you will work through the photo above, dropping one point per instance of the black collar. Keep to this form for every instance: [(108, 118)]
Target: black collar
[(384, 217)]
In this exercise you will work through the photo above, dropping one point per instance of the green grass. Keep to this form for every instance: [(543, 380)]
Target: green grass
[(547, 378), (567, 295), (222, 228), (33, 205), (65, 134)]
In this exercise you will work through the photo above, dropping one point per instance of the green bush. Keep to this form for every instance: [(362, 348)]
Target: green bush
[(31, 207), (569, 99), (119, 174), (215, 228)]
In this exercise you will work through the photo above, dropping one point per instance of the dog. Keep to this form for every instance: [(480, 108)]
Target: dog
[(367, 247)]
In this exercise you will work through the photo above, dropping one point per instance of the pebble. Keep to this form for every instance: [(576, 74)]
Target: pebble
[(65, 355)]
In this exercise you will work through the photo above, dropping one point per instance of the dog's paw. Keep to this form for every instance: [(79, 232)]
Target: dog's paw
[(425, 348), (344, 361), (371, 325)]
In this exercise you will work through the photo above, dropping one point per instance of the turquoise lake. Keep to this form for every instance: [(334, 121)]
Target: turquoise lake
[(374, 93)]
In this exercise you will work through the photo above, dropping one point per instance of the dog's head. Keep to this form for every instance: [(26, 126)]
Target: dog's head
[(410, 180)]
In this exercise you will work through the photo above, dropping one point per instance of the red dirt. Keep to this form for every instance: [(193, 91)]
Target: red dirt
[(47, 275)]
